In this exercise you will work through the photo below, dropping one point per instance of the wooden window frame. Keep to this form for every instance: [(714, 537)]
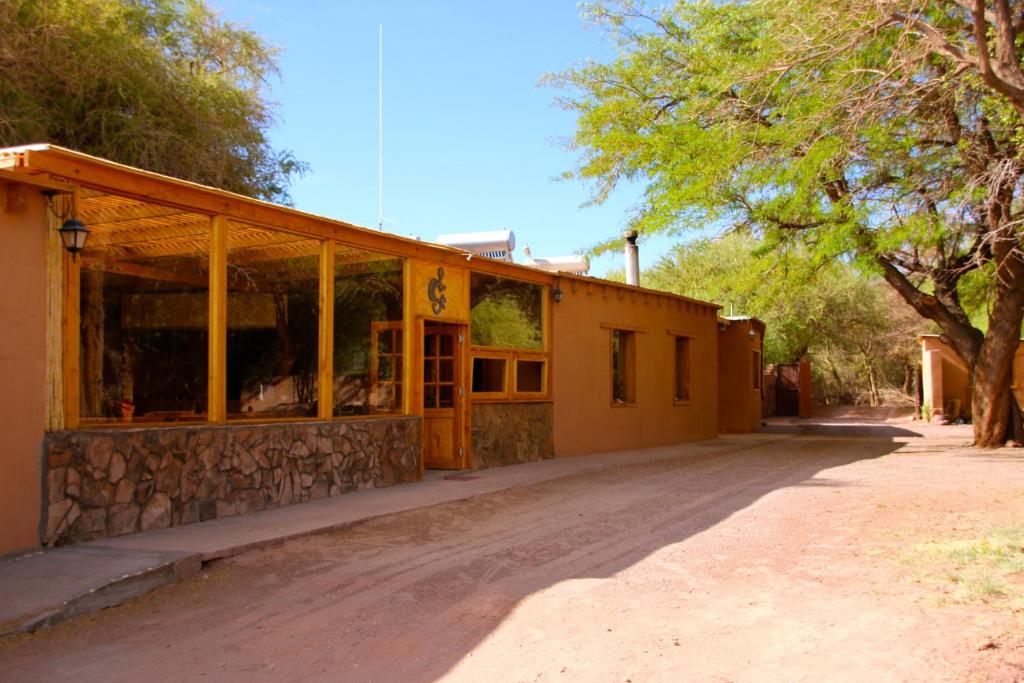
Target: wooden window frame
[(514, 372), (676, 338), (505, 392), (630, 369)]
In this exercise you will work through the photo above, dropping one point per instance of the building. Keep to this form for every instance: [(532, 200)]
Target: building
[(208, 354), (945, 383)]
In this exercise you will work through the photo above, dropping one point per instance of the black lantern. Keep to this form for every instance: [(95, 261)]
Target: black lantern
[(556, 294), (73, 234)]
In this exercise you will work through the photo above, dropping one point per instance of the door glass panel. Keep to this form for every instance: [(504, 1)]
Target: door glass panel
[(430, 345), (446, 394), (447, 345), (430, 396), (430, 370), (447, 369)]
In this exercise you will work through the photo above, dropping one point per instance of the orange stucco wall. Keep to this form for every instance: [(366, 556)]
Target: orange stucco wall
[(739, 402), (22, 363), (585, 419), (944, 375)]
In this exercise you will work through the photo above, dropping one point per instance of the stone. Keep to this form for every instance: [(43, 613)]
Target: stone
[(157, 513), (122, 519), (73, 488), (168, 478), (247, 463), (125, 491), (318, 490), (56, 484), (97, 493), (118, 466), (58, 458), (98, 454), (210, 458), (284, 491), (56, 515), (92, 523), (307, 480), (191, 477)]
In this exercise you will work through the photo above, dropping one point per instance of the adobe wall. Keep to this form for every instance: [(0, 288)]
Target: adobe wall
[(23, 306), (586, 421), (104, 483), (739, 402), (944, 376), (512, 433)]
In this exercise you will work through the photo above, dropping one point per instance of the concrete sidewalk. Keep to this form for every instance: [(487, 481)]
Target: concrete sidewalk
[(42, 588)]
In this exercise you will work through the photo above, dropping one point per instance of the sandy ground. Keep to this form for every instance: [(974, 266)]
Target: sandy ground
[(782, 560)]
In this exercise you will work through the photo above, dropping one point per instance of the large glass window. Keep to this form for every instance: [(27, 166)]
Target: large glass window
[(143, 310), (506, 313), (273, 322), (368, 349)]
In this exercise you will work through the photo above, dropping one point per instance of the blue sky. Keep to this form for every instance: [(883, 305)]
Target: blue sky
[(470, 140)]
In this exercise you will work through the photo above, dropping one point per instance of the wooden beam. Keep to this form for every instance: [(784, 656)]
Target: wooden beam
[(71, 332), (151, 187), (41, 181), (325, 386), (217, 396), (137, 211), (147, 272)]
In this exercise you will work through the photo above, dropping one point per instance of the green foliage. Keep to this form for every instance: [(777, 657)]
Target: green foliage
[(860, 338), (836, 128), (500, 321), (164, 85)]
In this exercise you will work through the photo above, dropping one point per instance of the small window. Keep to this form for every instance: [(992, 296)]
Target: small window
[(489, 375), (623, 367), (757, 370), (529, 376), (682, 369)]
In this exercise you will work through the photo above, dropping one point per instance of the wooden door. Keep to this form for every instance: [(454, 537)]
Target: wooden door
[(443, 397)]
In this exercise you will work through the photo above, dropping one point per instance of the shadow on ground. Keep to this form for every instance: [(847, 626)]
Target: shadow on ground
[(407, 597)]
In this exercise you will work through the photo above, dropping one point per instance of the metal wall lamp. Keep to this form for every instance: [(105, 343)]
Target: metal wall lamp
[(73, 233)]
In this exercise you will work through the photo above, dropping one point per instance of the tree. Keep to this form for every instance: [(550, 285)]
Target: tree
[(860, 339), (885, 130), (164, 85)]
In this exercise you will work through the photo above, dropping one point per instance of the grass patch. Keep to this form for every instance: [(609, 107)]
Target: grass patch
[(988, 569)]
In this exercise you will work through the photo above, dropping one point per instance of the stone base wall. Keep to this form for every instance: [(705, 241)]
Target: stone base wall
[(511, 433), (102, 483)]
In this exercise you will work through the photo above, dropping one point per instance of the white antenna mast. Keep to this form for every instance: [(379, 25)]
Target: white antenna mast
[(380, 127)]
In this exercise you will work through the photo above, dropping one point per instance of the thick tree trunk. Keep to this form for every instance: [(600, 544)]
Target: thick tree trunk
[(993, 371)]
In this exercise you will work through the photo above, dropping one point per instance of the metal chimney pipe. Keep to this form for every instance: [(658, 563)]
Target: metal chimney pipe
[(632, 259)]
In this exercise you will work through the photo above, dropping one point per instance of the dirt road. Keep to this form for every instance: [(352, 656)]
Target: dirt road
[(773, 560)]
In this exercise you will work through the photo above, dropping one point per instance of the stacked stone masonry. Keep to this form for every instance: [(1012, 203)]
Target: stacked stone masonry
[(511, 433), (107, 483)]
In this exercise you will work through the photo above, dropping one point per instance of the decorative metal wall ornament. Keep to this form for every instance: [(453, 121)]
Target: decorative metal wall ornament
[(435, 292)]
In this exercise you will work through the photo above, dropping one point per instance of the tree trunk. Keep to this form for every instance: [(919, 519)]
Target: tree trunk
[(993, 372)]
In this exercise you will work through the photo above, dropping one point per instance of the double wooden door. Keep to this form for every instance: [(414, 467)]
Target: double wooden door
[(443, 397)]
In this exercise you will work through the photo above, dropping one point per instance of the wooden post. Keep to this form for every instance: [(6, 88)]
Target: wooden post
[(325, 382), (217, 395)]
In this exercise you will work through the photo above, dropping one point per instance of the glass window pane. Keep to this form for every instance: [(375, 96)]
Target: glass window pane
[(623, 366), (447, 369), (506, 313), (273, 318), (529, 376), (144, 302), (367, 321), (488, 375), (447, 345), (430, 396), (682, 367), (445, 397)]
